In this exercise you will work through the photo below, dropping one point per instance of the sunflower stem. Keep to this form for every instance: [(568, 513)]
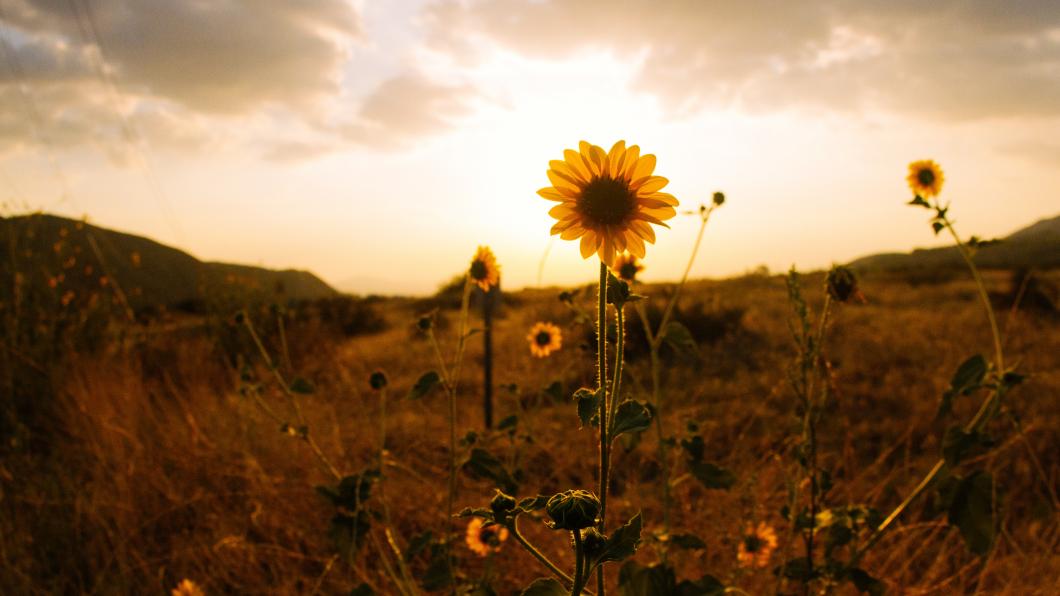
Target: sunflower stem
[(601, 348)]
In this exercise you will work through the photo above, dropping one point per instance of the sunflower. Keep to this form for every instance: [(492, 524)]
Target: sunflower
[(484, 270), (483, 539), (925, 178), (544, 339), (627, 267), (756, 546), (607, 199), (187, 588)]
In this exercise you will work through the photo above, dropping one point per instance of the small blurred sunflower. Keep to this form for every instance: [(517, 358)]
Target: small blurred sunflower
[(756, 546), (544, 339), (187, 588), (483, 539), (925, 178), (608, 199), (627, 266), (484, 270)]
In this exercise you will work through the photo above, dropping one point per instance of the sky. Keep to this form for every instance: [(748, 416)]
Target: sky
[(377, 143)]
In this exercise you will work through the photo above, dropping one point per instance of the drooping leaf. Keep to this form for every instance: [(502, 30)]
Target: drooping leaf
[(301, 386), (545, 587), (972, 511), (865, 583), (968, 378), (631, 416), (654, 580), (623, 543), (708, 585), (530, 504), (919, 200), (438, 574), (687, 541), (483, 464), (509, 423), (957, 445), (680, 338), (555, 390), (424, 385), (348, 533), (362, 590), (712, 475), (588, 401)]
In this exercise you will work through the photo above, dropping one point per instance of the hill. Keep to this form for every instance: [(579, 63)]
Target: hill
[(1036, 246), (47, 252)]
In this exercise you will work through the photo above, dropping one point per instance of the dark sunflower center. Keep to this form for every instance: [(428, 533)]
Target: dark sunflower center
[(752, 544), (926, 177), (488, 536), (478, 270), (606, 201), (627, 271), (543, 338)]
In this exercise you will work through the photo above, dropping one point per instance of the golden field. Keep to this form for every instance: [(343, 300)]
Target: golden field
[(150, 466)]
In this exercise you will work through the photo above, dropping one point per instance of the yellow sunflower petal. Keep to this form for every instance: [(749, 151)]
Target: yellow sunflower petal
[(572, 232), (561, 181), (645, 166), (565, 170), (652, 184), (632, 157), (643, 230), (616, 157), (562, 210), (588, 244), (574, 160), (636, 245), (666, 197), (552, 194)]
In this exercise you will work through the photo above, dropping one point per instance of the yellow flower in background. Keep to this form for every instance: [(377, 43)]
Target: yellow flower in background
[(187, 588), (627, 267), (544, 339), (756, 546), (925, 178), (483, 539), (484, 270), (608, 199)]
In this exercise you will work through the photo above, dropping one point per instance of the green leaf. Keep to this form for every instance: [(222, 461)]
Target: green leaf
[(530, 504), (588, 402), (418, 544), (967, 379), (362, 590), (919, 200), (508, 423), (687, 541), (352, 491), (708, 585), (555, 390), (623, 543), (972, 511), (483, 464), (301, 386), (680, 338), (348, 533), (957, 445), (711, 475), (865, 583), (631, 416), (938, 226), (694, 447), (655, 580), (424, 385), (437, 575), (799, 569), (545, 587)]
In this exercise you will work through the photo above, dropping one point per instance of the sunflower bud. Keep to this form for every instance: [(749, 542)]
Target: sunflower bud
[(719, 198), (425, 323), (377, 380), (841, 284), (573, 510)]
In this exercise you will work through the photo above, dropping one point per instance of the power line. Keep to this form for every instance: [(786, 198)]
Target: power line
[(89, 30), (34, 116)]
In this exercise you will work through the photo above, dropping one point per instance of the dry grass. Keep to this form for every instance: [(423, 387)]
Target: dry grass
[(158, 469)]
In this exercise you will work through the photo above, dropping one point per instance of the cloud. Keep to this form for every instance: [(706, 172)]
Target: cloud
[(406, 107), (115, 73), (947, 59)]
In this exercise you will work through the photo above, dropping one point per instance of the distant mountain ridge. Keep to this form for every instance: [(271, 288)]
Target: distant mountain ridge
[(72, 256), (1036, 246)]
